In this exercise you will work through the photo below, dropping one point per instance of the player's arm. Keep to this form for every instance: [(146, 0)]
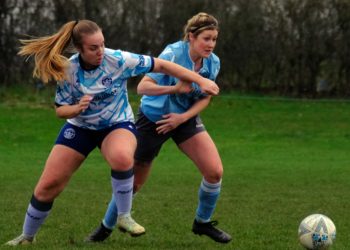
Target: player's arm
[(196, 108), (169, 68), (173, 120), (70, 111), (149, 86)]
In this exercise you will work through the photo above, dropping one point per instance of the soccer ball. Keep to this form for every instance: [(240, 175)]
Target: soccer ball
[(316, 231)]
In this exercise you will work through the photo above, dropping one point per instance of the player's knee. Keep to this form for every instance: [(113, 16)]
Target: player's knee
[(214, 176), (121, 161), (48, 191)]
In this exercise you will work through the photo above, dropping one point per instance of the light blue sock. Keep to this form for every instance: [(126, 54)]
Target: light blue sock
[(122, 185), (208, 194), (111, 214)]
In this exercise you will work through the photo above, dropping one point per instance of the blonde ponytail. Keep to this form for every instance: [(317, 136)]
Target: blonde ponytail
[(50, 63)]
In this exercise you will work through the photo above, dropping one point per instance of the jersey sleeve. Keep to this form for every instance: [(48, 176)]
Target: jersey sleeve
[(64, 94), (135, 64), (160, 78)]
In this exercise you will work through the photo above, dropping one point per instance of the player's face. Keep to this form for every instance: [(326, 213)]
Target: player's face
[(92, 50), (204, 44)]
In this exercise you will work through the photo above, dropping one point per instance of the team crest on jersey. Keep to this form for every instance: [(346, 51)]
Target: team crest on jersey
[(69, 133), (107, 81)]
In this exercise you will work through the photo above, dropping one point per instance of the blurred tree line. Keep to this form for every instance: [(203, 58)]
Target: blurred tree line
[(287, 47)]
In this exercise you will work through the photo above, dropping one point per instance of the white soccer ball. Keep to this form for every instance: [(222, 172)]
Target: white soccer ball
[(317, 231)]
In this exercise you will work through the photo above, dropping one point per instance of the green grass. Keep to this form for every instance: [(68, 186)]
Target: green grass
[(284, 159)]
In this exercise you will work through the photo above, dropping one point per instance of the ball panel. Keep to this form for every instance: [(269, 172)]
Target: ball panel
[(316, 231)]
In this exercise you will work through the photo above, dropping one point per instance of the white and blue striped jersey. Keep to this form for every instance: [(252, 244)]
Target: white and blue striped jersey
[(155, 106), (107, 84)]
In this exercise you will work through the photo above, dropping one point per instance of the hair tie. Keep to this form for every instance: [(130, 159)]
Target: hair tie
[(72, 32), (206, 25)]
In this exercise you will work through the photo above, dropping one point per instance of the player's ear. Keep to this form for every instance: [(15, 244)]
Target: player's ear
[(191, 37), (79, 49)]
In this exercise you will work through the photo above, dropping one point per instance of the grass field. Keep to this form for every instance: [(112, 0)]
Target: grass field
[(284, 159)]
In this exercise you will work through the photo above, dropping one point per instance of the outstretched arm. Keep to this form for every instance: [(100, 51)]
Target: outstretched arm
[(148, 86), (169, 68)]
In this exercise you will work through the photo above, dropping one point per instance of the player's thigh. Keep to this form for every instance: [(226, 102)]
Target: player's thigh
[(60, 166), (201, 149), (118, 148)]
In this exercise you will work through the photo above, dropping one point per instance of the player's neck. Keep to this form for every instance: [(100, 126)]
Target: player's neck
[(86, 66), (197, 60)]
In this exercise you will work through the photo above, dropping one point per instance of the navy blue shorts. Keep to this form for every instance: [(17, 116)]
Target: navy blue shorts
[(149, 142), (85, 140)]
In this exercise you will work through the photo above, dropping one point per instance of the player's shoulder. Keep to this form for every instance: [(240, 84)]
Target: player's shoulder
[(74, 63), (122, 55), (117, 57), (176, 48), (214, 59), (179, 45), (113, 52), (175, 51), (74, 58)]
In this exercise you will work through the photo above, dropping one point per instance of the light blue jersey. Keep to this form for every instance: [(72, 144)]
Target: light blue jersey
[(106, 84), (155, 106)]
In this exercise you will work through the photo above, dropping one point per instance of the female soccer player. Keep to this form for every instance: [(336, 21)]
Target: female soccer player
[(175, 116), (92, 96)]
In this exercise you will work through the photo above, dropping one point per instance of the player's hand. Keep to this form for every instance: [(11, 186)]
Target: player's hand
[(84, 102), (209, 87), (182, 87), (170, 122)]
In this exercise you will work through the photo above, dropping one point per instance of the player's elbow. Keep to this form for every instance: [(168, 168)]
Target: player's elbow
[(140, 88), (59, 112), (145, 86)]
